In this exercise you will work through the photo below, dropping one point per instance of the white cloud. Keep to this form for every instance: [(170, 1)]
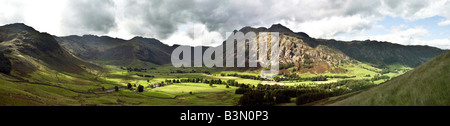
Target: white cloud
[(444, 23), (397, 34), (331, 26), (195, 35), (38, 14), (402, 35), (442, 43), (166, 20)]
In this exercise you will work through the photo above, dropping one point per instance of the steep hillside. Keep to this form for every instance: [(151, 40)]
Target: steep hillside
[(298, 56), (24, 50), (88, 47), (426, 85)]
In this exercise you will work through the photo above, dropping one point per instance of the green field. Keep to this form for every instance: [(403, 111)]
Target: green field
[(48, 87)]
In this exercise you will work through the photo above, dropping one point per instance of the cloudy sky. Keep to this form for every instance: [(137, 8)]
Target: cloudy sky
[(408, 22)]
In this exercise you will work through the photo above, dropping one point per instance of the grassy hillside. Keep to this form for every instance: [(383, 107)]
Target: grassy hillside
[(427, 85)]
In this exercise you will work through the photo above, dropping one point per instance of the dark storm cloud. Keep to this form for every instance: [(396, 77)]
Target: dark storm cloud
[(162, 18), (91, 16)]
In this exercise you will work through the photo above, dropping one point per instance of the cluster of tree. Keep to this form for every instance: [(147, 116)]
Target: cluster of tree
[(237, 84), (297, 78), (145, 75), (290, 77), (209, 81), (304, 93), (196, 80), (256, 98), (130, 69), (351, 85), (244, 76), (311, 97), (189, 71), (378, 77), (282, 99), (242, 90), (385, 71), (339, 76)]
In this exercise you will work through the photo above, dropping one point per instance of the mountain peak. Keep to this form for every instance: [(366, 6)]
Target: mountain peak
[(279, 28), (137, 38), (18, 27), (147, 40), (140, 38)]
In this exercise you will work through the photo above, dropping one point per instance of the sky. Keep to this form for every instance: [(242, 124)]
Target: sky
[(406, 22)]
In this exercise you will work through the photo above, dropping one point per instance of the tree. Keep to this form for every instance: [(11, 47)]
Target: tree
[(242, 90), (310, 97), (140, 88), (269, 99), (282, 99), (116, 88), (252, 98), (129, 86)]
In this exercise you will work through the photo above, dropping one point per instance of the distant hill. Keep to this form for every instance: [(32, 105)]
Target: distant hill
[(382, 53), (426, 85), (24, 50), (137, 51)]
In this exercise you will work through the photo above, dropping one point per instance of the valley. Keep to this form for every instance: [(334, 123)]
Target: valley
[(44, 70), (68, 89)]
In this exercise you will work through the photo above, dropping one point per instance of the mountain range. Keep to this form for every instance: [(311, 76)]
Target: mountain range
[(38, 68), (24, 46)]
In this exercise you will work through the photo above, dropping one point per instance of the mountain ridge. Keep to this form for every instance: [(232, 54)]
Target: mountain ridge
[(153, 51), (28, 50), (408, 55)]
